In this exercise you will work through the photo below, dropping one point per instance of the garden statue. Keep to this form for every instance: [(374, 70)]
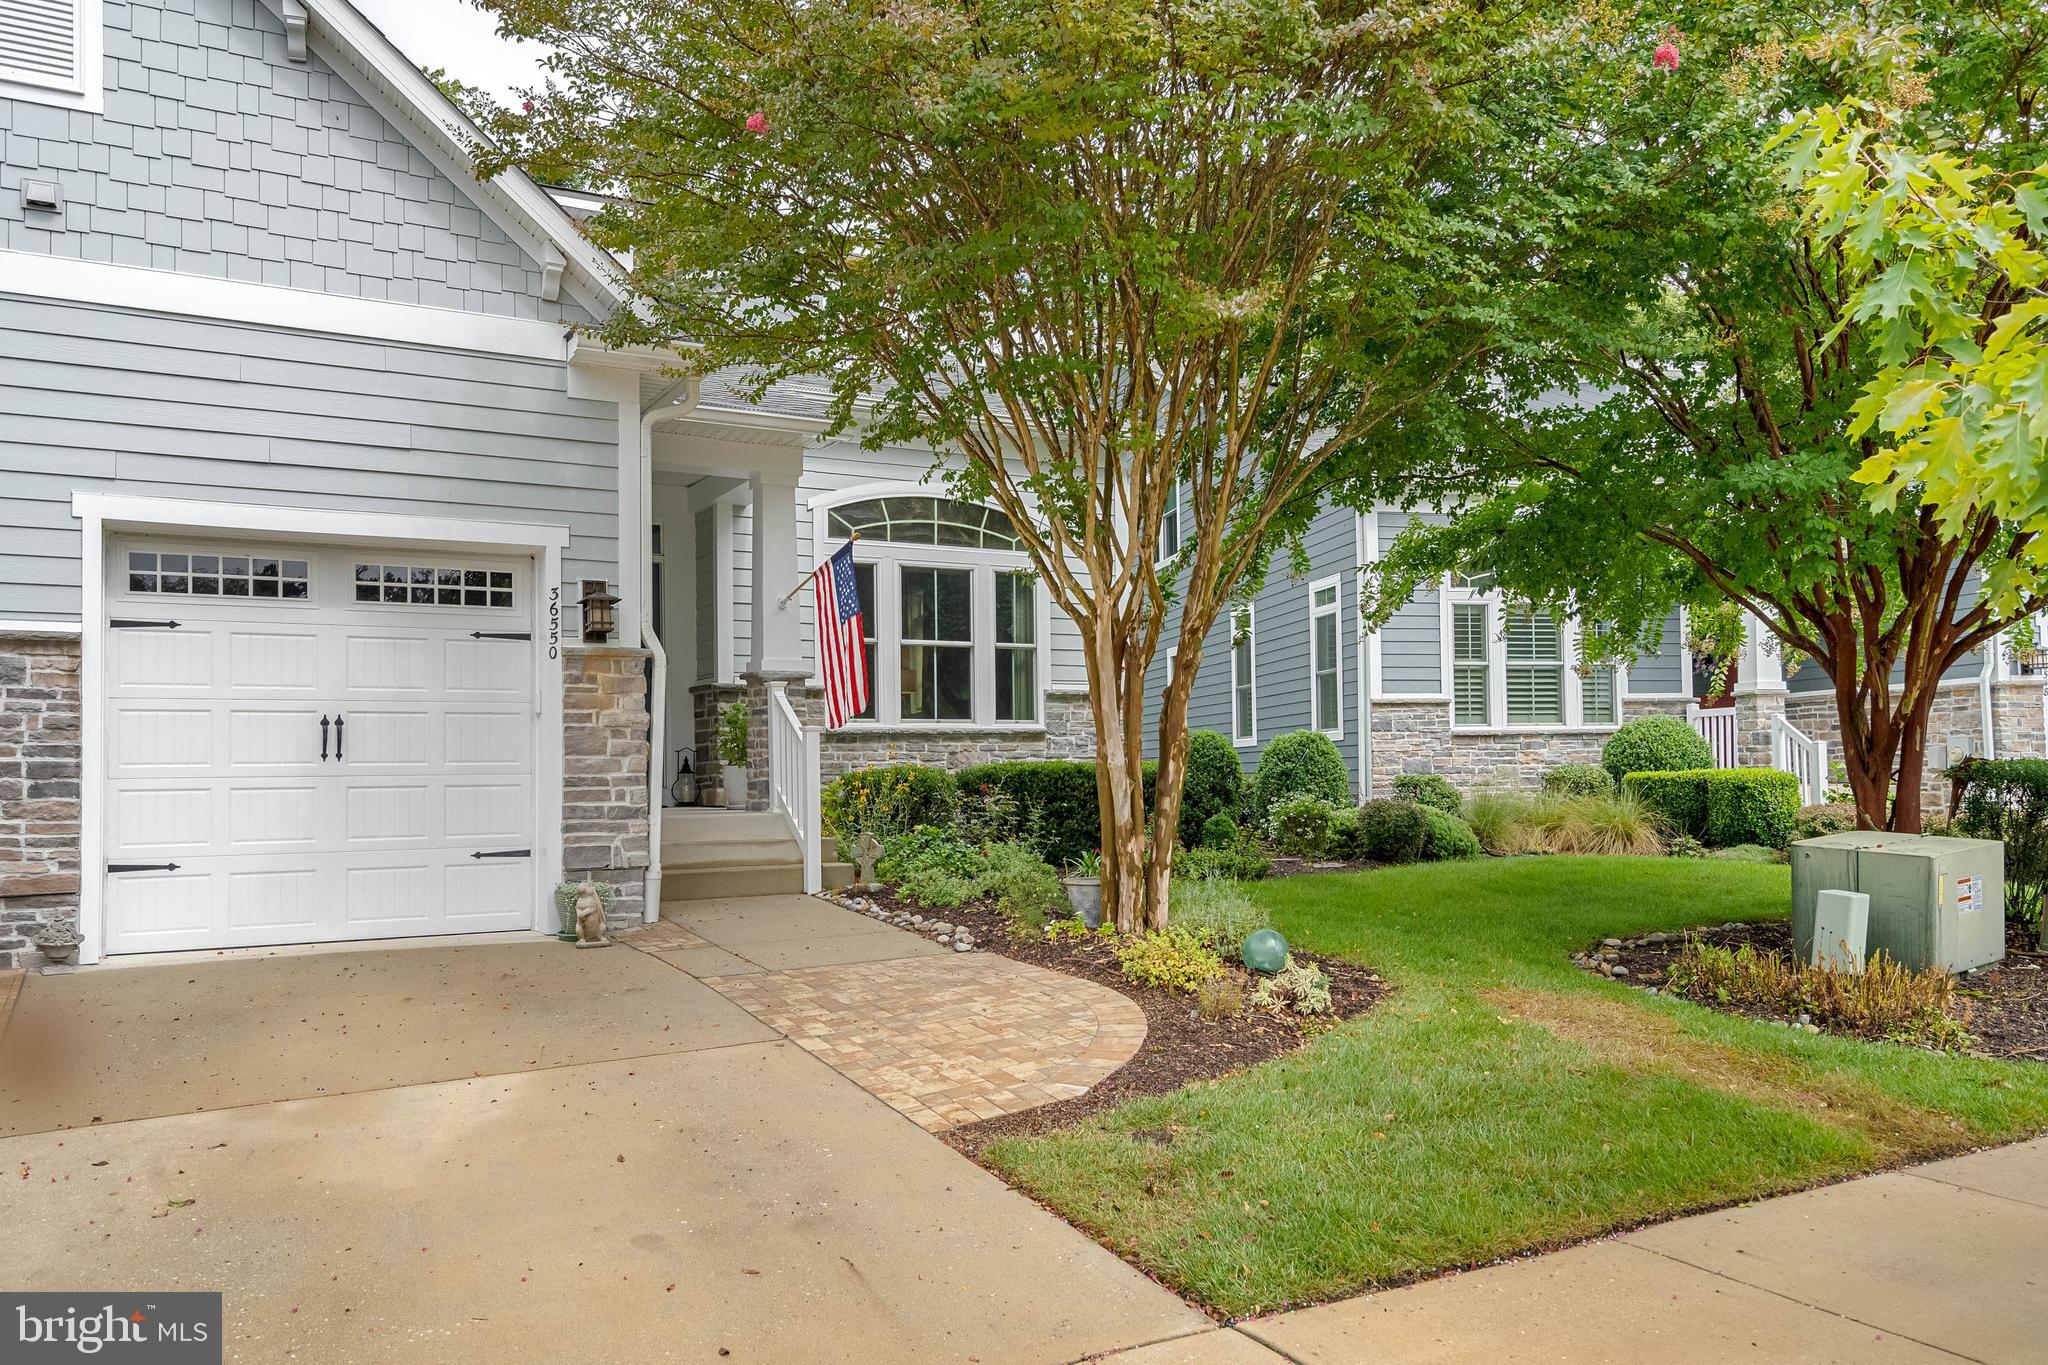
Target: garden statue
[(590, 917), (866, 850)]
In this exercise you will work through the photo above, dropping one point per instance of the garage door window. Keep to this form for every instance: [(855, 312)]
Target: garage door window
[(421, 585), (168, 573)]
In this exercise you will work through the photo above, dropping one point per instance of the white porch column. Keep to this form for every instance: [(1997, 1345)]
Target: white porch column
[(778, 646)]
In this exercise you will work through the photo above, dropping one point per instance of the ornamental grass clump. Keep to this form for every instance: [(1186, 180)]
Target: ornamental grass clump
[(1219, 913), (1885, 1000)]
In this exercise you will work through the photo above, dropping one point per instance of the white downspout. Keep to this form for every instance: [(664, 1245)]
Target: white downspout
[(650, 640), (1986, 657)]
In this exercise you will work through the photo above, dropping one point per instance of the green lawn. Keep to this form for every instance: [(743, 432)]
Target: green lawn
[(1500, 1099)]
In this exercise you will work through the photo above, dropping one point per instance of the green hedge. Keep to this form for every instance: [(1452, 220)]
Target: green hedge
[(1723, 806), (1057, 811), (1429, 789), (2007, 800)]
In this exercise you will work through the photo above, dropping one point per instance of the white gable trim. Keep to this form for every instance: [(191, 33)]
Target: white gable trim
[(33, 275), (401, 92)]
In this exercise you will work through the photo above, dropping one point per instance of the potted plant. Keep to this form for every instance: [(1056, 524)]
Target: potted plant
[(732, 753), (57, 942), (1084, 888)]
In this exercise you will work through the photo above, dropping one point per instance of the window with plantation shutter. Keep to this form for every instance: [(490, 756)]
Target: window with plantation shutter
[(1535, 669), (1596, 697), (1470, 691), (47, 49)]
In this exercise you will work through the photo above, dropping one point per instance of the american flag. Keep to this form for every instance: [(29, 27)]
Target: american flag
[(841, 657)]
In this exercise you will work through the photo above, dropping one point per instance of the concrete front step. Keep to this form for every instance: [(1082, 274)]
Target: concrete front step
[(731, 853), (694, 825), (680, 882)]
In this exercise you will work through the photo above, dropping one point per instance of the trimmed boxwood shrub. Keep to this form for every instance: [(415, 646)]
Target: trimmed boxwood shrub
[(1305, 763), (888, 801), (1392, 831), (1305, 826), (1215, 784), (1449, 837), (1723, 806), (1578, 779), (1655, 744), (1219, 831), (1429, 789)]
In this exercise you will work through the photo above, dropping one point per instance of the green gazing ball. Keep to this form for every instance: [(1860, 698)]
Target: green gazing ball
[(1265, 951)]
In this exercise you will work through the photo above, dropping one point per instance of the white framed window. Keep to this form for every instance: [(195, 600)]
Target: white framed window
[(1244, 679), (952, 619), (1512, 666), (1471, 664), (50, 53), (1172, 526), (1325, 658)]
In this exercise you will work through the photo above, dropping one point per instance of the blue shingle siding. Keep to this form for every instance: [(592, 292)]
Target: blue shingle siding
[(218, 156), (1410, 644), (104, 400)]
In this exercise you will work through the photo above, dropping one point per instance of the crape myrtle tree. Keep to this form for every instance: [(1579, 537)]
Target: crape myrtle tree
[(1723, 388), (1098, 247)]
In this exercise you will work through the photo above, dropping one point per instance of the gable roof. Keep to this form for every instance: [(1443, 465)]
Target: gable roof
[(528, 214)]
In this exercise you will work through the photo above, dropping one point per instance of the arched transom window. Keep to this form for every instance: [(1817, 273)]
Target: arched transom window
[(951, 610), (908, 520)]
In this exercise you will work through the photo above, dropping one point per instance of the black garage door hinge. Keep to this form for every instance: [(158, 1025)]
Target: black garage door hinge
[(506, 853), (501, 635), (142, 867), (129, 623)]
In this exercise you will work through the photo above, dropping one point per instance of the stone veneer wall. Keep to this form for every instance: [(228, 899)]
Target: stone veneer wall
[(1955, 723), (604, 773), (1416, 737), (39, 777), (706, 700), (1069, 732)]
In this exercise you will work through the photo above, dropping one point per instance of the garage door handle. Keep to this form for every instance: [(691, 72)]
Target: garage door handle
[(323, 739), (337, 739)]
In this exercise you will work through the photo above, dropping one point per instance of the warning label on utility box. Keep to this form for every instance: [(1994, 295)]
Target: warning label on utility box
[(1969, 894)]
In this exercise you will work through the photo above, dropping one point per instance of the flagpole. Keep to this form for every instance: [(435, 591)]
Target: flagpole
[(806, 581)]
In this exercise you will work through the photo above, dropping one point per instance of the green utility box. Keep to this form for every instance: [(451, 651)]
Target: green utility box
[(1934, 901)]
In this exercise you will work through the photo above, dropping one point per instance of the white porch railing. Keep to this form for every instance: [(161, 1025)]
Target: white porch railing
[(1804, 758), (794, 788), (1716, 725)]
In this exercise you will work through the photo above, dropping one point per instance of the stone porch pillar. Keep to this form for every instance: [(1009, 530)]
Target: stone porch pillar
[(605, 825), (1759, 694)]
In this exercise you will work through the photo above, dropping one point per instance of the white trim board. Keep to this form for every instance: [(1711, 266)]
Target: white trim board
[(102, 513), (63, 279)]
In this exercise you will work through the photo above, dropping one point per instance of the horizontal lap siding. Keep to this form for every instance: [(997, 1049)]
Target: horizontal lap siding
[(1666, 670), (102, 400), (1410, 644)]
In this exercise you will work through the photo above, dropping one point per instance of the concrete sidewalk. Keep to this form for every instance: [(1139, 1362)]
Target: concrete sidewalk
[(1940, 1263)]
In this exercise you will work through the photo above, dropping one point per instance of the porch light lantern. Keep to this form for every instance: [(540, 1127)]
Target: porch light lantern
[(598, 622)]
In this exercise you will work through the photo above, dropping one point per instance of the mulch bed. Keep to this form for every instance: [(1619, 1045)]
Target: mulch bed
[(1180, 1046), (2005, 1004)]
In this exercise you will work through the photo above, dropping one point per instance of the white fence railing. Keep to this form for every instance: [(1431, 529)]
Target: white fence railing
[(1804, 758), (794, 788), (1716, 725)]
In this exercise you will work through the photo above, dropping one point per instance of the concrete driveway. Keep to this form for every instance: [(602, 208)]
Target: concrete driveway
[(515, 1150)]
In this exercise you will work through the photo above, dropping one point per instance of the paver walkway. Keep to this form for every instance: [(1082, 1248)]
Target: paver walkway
[(943, 1038)]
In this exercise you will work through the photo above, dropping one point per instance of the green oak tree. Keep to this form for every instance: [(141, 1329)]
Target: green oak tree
[(1100, 248), (1685, 417)]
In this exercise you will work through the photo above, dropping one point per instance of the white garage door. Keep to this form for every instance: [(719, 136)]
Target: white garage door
[(328, 744)]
